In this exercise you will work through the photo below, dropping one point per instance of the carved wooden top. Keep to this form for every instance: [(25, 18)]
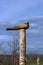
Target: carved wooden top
[(21, 26)]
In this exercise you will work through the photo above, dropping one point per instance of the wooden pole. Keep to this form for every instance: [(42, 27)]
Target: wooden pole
[(22, 54), (38, 59)]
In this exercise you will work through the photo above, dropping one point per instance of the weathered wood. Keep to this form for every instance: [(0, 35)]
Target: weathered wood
[(18, 27), (22, 51)]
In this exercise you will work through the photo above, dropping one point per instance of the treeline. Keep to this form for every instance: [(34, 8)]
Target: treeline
[(9, 59), (33, 57), (14, 59)]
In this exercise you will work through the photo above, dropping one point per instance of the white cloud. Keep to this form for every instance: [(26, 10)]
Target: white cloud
[(35, 17), (31, 46), (5, 37), (8, 22), (29, 18), (34, 31), (39, 42), (33, 25)]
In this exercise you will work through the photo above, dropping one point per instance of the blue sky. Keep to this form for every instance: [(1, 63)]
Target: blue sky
[(17, 11)]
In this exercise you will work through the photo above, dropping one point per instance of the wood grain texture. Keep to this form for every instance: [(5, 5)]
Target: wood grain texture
[(22, 51)]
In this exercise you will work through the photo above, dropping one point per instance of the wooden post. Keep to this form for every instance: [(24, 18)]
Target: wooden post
[(38, 59), (22, 54), (22, 57)]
